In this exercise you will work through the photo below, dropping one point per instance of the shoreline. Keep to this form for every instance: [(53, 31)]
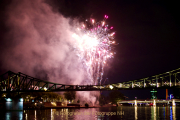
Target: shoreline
[(60, 107)]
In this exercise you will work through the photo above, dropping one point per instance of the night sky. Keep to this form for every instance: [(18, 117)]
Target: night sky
[(148, 34)]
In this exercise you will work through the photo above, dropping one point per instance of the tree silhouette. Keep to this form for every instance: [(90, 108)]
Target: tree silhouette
[(70, 95)]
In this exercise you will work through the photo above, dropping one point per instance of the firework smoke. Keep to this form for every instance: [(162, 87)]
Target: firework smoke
[(42, 43)]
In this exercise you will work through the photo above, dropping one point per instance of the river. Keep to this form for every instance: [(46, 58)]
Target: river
[(103, 113)]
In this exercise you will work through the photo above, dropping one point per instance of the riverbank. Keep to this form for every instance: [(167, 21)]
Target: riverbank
[(80, 106), (69, 107)]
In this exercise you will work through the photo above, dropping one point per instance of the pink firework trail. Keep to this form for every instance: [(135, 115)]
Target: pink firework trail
[(94, 47)]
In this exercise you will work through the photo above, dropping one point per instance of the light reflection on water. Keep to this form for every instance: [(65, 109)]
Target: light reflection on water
[(103, 113), (136, 116)]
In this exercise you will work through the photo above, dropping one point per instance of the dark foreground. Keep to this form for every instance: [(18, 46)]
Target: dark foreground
[(101, 113)]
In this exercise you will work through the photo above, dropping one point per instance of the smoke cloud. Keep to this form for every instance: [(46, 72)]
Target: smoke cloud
[(39, 42)]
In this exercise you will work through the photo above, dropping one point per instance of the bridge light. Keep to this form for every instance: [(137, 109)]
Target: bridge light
[(111, 87), (154, 103), (21, 99), (173, 103), (45, 88), (135, 103), (9, 100)]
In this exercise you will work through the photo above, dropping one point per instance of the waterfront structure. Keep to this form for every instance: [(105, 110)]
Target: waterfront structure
[(152, 102)]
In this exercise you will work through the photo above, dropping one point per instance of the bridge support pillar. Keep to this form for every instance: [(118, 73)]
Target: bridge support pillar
[(144, 83), (154, 103), (170, 79), (135, 104), (175, 79)]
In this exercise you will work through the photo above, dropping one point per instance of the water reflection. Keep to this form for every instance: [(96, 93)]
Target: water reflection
[(13, 115), (167, 113), (158, 112), (171, 114), (154, 112), (123, 112), (146, 113), (136, 117), (35, 114), (174, 112)]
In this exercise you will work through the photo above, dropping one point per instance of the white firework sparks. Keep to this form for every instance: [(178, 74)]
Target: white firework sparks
[(94, 47)]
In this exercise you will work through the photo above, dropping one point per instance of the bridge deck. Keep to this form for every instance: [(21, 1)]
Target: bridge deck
[(148, 101)]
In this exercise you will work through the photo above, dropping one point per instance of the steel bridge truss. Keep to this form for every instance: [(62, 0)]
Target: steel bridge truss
[(19, 82), (169, 79)]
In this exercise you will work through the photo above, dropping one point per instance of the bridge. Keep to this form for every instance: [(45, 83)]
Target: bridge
[(154, 101), (19, 82)]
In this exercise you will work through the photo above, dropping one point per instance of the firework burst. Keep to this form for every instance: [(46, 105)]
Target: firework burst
[(94, 47)]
